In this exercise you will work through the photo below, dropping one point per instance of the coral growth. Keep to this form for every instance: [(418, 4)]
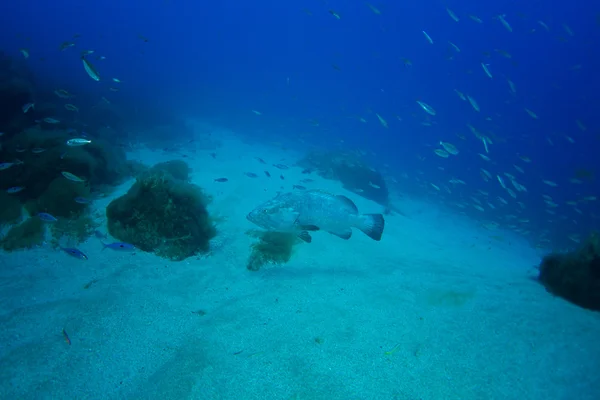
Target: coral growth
[(575, 276), (163, 215)]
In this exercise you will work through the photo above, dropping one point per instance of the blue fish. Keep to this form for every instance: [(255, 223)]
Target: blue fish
[(82, 200), (46, 217), (74, 253), (118, 246), (14, 189)]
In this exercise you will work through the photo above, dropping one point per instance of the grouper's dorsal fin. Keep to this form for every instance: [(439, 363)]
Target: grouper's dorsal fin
[(347, 202)]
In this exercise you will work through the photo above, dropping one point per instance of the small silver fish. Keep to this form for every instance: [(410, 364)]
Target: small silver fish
[(27, 107), (50, 120), (72, 177), (89, 68), (426, 107), (78, 142)]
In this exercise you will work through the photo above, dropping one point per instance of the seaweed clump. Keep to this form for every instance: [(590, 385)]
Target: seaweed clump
[(163, 215), (77, 229), (575, 276), (271, 248), (26, 235), (177, 168)]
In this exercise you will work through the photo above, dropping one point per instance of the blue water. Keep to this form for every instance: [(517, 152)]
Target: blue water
[(313, 76), (221, 60)]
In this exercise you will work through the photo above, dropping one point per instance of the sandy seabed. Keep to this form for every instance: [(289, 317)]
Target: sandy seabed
[(436, 310)]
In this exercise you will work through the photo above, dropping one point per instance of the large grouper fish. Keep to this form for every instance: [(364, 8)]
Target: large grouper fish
[(312, 210)]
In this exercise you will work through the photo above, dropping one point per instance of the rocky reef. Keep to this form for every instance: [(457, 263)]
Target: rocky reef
[(350, 169)]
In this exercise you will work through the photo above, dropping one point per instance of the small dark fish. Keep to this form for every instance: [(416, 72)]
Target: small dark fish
[(74, 253), (213, 155), (281, 177), (298, 187), (221, 180), (82, 200), (20, 150), (307, 170), (260, 160), (119, 246), (281, 166), (90, 283), (66, 336), (307, 180), (267, 174), (63, 155), (46, 217), (250, 174), (38, 150)]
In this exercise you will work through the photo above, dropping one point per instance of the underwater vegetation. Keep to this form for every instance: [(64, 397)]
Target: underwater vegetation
[(177, 168), (271, 248), (163, 213), (575, 276), (76, 229), (26, 235), (10, 209)]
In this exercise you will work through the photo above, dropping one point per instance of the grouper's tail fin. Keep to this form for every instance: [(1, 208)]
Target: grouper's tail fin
[(372, 225)]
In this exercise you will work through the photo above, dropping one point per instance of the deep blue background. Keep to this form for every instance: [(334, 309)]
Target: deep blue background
[(221, 60)]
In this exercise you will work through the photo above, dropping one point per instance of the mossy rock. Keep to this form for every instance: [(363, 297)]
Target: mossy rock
[(59, 199), (575, 276), (10, 209), (177, 168), (271, 248), (163, 215), (26, 235)]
